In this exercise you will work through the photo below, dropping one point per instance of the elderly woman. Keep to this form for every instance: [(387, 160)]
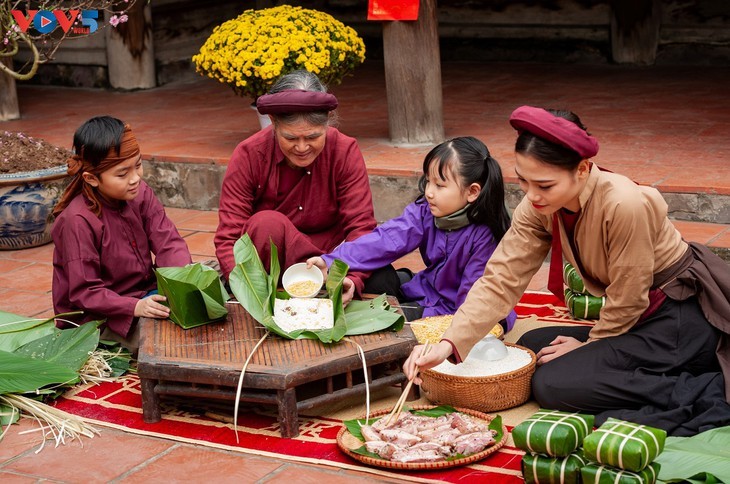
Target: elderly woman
[(299, 182), (660, 349)]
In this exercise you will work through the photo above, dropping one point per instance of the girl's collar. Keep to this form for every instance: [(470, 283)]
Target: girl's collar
[(455, 221)]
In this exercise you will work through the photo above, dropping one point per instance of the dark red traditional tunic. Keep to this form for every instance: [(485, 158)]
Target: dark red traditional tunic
[(306, 213), (103, 266)]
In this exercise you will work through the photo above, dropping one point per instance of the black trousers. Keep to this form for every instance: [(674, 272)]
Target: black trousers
[(388, 281), (663, 373)]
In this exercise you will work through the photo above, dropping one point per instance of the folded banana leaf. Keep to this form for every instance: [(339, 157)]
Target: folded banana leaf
[(256, 290), (599, 474), (572, 279), (552, 433), (195, 294), (539, 469), (584, 306), (626, 445)]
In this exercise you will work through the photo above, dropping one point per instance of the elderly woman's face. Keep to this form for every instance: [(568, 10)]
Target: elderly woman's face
[(301, 142)]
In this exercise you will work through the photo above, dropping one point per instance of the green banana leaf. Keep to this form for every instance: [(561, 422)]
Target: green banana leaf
[(21, 373), (8, 415), (16, 330), (704, 457), (257, 292), (376, 314), (251, 284), (195, 294), (69, 348)]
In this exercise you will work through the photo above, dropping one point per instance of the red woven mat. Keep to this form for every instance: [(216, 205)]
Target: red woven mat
[(119, 405)]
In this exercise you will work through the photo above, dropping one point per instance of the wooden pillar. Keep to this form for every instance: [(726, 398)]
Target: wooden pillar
[(129, 50), (413, 78), (8, 94), (635, 31)]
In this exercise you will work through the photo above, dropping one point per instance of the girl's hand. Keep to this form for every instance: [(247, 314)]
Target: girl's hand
[(348, 291), (558, 347), (320, 264), (438, 353), (150, 307)]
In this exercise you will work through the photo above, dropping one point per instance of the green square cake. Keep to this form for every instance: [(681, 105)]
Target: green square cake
[(599, 474), (552, 433), (538, 469), (625, 445)]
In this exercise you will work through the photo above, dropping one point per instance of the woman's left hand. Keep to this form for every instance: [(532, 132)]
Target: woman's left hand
[(348, 291), (558, 347)]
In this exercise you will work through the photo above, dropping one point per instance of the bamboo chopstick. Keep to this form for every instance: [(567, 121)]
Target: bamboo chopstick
[(395, 413)]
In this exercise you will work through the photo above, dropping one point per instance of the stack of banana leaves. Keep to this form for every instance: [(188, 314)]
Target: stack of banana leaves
[(38, 362), (256, 290)]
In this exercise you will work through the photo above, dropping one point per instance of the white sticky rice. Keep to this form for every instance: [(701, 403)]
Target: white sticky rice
[(516, 358)]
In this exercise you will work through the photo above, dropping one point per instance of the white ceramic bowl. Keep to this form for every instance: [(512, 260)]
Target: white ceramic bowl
[(299, 273)]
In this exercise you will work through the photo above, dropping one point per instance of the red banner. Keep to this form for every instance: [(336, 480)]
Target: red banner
[(393, 9)]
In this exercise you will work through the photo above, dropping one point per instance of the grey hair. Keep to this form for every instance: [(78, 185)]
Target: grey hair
[(306, 81)]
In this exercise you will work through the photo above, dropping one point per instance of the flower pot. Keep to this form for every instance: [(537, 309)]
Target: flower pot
[(264, 119), (26, 205)]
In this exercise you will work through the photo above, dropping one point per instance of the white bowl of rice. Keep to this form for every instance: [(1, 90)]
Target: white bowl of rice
[(300, 281)]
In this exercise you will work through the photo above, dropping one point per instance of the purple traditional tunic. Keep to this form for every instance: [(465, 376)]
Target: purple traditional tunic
[(103, 265), (454, 258)]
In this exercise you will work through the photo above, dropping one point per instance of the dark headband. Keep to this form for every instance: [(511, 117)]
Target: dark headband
[(296, 101), (555, 129)]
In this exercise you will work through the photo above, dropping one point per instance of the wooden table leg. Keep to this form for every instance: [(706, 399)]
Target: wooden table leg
[(150, 401), (288, 415)]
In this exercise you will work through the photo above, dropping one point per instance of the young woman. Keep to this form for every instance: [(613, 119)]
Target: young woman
[(108, 222), (299, 183), (655, 355), (456, 224)]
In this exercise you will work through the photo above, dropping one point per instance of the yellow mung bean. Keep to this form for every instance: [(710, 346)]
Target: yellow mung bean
[(302, 288)]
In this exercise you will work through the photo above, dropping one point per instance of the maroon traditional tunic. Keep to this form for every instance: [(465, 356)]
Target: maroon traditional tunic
[(306, 212), (103, 266)]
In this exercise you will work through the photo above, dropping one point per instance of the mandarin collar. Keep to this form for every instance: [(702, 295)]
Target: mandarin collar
[(591, 183)]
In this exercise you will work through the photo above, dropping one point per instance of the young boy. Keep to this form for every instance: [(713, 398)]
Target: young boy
[(108, 221)]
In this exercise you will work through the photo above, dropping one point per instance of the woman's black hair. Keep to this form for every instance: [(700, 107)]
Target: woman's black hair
[(94, 138), (469, 160), (528, 144)]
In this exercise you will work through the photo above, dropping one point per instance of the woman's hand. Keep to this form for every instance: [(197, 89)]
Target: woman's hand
[(319, 263), (150, 307), (438, 353), (558, 347), (348, 291)]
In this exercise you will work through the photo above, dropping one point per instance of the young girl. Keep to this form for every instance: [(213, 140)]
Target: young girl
[(456, 224), (658, 352), (108, 222)]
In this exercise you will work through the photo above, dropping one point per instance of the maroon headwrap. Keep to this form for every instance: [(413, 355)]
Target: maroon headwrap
[(555, 129), (77, 165), (295, 101)]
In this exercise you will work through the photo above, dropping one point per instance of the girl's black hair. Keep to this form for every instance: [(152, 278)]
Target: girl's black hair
[(96, 136), (469, 160), (551, 153)]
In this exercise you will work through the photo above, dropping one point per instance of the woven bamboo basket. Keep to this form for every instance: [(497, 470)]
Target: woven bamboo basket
[(481, 393)]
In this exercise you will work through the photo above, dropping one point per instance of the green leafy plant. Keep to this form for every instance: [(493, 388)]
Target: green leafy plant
[(39, 361)]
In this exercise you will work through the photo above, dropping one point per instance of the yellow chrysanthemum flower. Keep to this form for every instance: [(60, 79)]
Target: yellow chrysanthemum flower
[(251, 51)]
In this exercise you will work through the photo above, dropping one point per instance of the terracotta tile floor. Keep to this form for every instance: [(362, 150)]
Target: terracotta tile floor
[(665, 126)]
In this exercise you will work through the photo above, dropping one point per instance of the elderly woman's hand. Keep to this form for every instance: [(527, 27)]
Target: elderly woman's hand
[(348, 291), (438, 353)]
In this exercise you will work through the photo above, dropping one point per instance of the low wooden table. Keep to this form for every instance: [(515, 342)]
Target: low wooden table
[(206, 362)]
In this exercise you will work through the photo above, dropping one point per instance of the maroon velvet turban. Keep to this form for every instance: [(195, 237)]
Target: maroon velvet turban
[(296, 101), (554, 129)]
